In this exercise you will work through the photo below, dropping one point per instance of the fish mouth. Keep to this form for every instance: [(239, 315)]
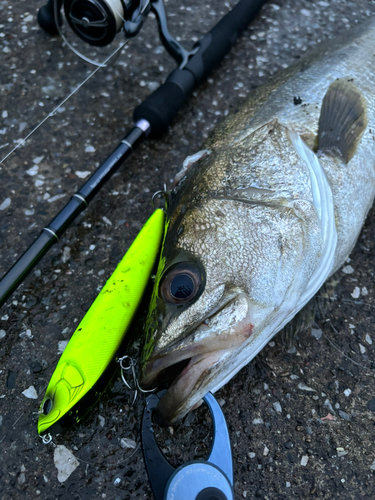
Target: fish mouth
[(193, 366)]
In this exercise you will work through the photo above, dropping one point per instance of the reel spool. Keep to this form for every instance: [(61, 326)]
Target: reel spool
[(96, 22)]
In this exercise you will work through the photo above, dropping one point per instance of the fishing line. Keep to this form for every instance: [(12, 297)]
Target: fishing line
[(64, 101)]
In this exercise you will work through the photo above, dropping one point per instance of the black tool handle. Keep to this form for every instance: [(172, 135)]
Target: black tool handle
[(161, 107)]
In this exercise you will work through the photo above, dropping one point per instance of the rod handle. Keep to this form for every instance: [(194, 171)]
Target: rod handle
[(161, 107), (218, 42)]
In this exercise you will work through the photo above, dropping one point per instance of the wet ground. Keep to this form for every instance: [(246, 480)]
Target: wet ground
[(302, 422)]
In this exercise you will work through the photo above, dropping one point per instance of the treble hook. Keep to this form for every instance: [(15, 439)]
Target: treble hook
[(131, 367)]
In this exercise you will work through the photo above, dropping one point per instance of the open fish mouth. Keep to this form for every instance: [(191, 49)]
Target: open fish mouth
[(192, 367)]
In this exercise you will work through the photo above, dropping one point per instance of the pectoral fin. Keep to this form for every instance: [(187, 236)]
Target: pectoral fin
[(343, 119)]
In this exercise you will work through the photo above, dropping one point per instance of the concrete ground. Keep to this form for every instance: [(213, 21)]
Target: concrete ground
[(284, 446)]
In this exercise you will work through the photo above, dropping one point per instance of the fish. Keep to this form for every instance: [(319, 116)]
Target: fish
[(260, 217)]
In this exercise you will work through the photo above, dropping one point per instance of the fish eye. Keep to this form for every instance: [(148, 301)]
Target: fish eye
[(181, 284), (47, 406)]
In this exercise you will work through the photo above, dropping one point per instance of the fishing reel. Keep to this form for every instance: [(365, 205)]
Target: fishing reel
[(97, 22)]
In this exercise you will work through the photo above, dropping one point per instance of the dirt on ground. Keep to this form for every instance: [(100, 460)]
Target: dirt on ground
[(301, 418)]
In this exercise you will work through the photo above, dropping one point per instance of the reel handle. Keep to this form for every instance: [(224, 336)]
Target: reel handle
[(46, 16)]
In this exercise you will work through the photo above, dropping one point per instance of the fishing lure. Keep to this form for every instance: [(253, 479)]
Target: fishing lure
[(98, 336)]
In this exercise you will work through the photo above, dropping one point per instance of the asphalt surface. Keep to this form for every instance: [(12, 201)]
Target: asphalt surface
[(284, 446)]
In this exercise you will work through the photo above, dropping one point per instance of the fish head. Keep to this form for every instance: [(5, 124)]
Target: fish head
[(229, 277)]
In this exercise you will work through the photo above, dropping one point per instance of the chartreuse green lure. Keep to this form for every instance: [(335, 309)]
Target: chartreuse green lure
[(97, 338)]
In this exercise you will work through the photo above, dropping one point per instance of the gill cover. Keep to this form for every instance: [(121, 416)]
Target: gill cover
[(98, 336)]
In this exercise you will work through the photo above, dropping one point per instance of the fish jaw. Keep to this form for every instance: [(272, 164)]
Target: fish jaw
[(204, 350)]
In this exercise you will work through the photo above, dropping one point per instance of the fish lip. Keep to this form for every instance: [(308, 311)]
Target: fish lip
[(158, 360), (181, 396)]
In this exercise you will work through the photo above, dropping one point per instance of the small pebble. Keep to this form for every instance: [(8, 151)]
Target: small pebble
[(22, 478), (30, 392), (347, 392), (61, 346), (33, 170), (341, 452), (292, 350), (304, 460), (368, 339), (362, 348), (348, 270), (127, 443), (251, 454), (356, 293), (277, 407), (65, 462), (38, 159), (265, 451), (372, 467), (364, 291), (345, 415), (2, 334), (287, 484), (101, 420), (316, 333), (82, 174), (305, 387), (5, 204), (257, 421), (327, 404), (107, 221), (117, 482), (89, 149), (66, 254)]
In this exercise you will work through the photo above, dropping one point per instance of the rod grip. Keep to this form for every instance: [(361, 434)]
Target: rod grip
[(161, 107), (218, 42)]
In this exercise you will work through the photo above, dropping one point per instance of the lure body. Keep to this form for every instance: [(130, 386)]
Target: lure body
[(97, 338)]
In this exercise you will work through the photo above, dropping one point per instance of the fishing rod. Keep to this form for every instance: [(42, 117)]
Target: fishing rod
[(96, 22)]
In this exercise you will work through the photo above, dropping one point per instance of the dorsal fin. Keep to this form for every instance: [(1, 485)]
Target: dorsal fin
[(343, 119)]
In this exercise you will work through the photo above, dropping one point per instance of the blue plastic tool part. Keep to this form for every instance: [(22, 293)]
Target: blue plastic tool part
[(197, 480)]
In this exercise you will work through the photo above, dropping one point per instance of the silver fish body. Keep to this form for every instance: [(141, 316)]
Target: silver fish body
[(266, 212)]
